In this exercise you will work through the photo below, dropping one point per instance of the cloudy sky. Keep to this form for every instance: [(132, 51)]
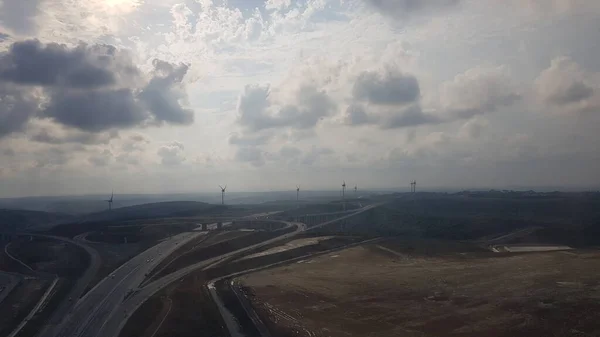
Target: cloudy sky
[(181, 95)]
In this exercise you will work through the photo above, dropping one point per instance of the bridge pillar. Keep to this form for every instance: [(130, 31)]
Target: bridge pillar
[(204, 226), (219, 225)]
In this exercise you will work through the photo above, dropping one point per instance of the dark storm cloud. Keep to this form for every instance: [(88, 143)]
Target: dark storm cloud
[(164, 92), (256, 113), (85, 66), (96, 110), (92, 88), (19, 15), (403, 8), (16, 108), (390, 88)]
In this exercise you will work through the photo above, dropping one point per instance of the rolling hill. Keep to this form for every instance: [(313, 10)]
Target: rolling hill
[(13, 220), (169, 209)]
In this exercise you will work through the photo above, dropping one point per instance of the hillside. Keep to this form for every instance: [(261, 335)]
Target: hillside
[(12, 220), (167, 209)]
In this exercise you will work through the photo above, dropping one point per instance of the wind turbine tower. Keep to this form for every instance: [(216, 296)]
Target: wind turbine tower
[(297, 193), (344, 194), (355, 190), (110, 201), (223, 194)]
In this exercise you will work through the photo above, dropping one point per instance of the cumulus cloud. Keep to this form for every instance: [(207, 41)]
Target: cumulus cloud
[(96, 110), (409, 116), (565, 86), (16, 108), (389, 99), (390, 88), (135, 142), (172, 154), (85, 66), (92, 88), (477, 91), (256, 111), (164, 94)]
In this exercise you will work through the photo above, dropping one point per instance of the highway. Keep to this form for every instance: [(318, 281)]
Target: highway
[(126, 309), (117, 322), (92, 311), (57, 316), (104, 310)]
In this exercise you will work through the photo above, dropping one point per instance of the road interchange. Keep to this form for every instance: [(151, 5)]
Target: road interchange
[(105, 309)]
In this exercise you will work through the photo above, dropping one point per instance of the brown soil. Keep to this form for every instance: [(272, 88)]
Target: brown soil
[(370, 291)]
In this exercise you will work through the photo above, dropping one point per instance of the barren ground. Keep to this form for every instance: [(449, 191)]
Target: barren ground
[(402, 289)]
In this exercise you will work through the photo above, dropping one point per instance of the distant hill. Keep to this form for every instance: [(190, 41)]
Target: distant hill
[(12, 220), (167, 209)]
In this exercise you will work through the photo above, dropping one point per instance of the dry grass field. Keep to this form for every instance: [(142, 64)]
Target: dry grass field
[(402, 289)]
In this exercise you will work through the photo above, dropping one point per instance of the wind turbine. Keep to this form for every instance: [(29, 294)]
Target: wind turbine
[(297, 192), (223, 194), (110, 201), (355, 190), (344, 194)]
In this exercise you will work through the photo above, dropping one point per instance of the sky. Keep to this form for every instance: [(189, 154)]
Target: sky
[(151, 96)]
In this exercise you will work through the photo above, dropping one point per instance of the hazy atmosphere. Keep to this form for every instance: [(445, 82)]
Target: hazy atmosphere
[(146, 96)]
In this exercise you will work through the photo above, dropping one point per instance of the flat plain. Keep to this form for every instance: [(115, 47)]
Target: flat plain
[(412, 288)]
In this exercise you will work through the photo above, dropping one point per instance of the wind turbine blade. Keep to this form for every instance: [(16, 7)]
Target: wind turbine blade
[(225, 187), (221, 187)]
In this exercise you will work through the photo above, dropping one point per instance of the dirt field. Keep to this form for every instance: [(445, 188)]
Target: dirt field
[(398, 289)]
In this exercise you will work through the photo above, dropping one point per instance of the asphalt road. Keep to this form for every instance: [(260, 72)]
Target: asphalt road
[(104, 310), (128, 307), (90, 314), (51, 328), (117, 322)]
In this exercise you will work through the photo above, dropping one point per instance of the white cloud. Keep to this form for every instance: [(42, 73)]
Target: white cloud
[(172, 154), (566, 87)]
